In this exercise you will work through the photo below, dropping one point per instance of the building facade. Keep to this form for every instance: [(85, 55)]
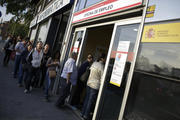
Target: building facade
[(141, 39), (50, 21)]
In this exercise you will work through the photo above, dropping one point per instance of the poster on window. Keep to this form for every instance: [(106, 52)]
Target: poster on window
[(119, 64), (76, 46)]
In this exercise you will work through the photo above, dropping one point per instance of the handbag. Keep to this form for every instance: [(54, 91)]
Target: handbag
[(84, 77), (52, 73), (12, 56)]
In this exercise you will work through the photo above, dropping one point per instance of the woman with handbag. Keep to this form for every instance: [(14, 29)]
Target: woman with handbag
[(52, 66)]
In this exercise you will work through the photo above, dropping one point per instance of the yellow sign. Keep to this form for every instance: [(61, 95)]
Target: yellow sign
[(162, 33), (150, 11)]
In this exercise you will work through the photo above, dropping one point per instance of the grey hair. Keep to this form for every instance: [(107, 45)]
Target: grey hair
[(73, 54)]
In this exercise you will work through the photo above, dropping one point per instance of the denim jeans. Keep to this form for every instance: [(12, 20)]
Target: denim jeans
[(48, 83), (16, 64), (90, 100), (23, 74)]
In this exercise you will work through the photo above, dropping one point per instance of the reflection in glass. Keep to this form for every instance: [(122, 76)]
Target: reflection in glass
[(77, 41), (43, 32), (77, 5), (112, 95), (91, 2), (33, 34), (82, 4), (160, 58), (153, 98)]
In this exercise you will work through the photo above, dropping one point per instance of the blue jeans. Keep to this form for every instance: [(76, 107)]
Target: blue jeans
[(23, 74), (90, 100), (48, 84), (16, 64)]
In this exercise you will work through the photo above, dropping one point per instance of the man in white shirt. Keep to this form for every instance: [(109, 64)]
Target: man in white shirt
[(34, 58), (68, 77)]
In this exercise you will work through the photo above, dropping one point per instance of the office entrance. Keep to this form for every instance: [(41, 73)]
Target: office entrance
[(117, 40)]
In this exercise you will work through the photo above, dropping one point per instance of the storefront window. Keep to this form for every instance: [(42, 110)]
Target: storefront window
[(42, 34), (33, 34), (155, 87), (91, 2), (61, 31), (160, 59), (112, 95), (77, 41), (77, 5), (81, 4), (155, 90)]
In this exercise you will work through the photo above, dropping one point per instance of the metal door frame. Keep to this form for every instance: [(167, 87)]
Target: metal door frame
[(123, 22), (117, 23), (81, 44)]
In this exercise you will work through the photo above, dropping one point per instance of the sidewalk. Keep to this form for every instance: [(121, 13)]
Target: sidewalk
[(15, 105)]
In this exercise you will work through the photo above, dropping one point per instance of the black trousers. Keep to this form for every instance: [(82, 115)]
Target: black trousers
[(43, 71), (64, 92), (34, 74), (7, 56), (76, 97)]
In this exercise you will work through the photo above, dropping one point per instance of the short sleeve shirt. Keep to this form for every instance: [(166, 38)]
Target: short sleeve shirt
[(70, 67), (19, 46)]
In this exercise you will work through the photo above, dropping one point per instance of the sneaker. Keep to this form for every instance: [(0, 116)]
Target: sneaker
[(26, 91)]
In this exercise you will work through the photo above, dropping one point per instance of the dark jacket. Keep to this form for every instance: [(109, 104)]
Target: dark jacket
[(44, 60), (83, 68), (24, 55)]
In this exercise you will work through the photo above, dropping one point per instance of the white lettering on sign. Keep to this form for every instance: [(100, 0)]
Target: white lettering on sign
[(104, 8), (57, 5)]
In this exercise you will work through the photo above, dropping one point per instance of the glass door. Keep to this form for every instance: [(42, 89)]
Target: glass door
[(77, 42), (116, 71)]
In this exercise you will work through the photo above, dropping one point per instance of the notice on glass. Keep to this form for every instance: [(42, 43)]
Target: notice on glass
[(76, 45), (119, 64)]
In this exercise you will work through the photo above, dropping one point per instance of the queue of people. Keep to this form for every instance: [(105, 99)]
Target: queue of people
[(36, 68)]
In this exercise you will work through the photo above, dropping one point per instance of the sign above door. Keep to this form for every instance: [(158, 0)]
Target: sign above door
[(104, 8)]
